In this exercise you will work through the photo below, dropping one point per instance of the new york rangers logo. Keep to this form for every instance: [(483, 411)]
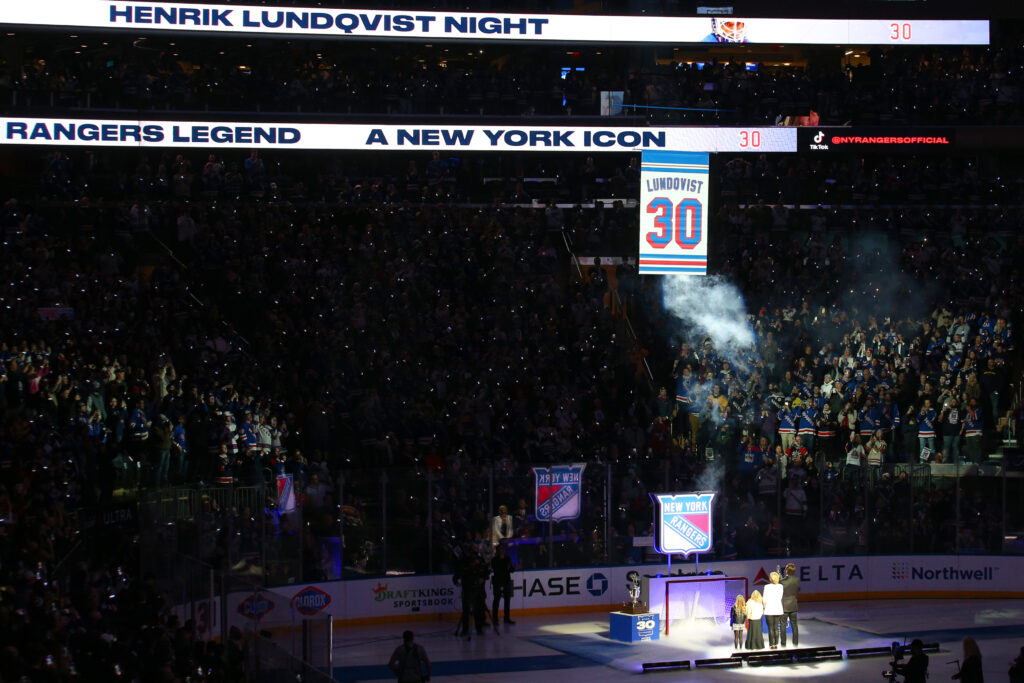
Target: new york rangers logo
[(310, 600), (558, 491), (255, 607), (682, 522)]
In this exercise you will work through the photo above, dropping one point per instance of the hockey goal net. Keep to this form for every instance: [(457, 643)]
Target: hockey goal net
[(701, 600)]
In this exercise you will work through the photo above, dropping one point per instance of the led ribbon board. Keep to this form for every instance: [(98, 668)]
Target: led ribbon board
[(682, 522), (673, 213), (558, 491), (435, 26), (305, 136)]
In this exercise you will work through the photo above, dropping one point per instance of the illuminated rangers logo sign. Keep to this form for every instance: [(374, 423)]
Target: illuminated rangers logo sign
[(310, 600), (682, 522), (558, 491), (255, 606)]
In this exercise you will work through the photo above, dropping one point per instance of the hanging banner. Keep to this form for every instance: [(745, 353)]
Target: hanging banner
[(391, 24), (673, 213), (558, 492), (343, 136), (682, 522)]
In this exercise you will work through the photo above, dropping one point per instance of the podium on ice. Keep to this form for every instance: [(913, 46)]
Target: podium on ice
[(634, 628)]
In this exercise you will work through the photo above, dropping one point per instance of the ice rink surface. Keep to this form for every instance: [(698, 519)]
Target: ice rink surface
[(562, 648)]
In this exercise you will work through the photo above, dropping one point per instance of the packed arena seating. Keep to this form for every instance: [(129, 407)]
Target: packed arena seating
[(922, 85), (205, 320)]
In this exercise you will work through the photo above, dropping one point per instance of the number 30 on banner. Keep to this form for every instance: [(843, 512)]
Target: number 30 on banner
[(679, 223)]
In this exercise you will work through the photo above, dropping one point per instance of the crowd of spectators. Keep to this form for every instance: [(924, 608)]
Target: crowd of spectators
[(426, 333), (848, 324), (390, 335), (324, 334), (930, 85)]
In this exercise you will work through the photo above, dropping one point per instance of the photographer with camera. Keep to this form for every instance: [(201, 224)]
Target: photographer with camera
[(916, 668)]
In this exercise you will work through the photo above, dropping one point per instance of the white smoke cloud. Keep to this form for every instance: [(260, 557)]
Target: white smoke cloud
[(712, 478), (710, 307)]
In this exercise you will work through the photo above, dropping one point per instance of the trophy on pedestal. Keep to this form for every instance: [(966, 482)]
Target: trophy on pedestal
[(634, 606)]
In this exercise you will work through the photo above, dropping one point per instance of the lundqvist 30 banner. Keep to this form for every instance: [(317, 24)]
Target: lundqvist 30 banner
[(143, 133), (376, 23), (559, 489), (673, 213), (682, 522)]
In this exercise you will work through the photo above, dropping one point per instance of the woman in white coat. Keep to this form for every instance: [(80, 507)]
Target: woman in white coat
[(773, 609)]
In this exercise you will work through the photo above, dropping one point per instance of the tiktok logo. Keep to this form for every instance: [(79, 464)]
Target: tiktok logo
[(819, 137)]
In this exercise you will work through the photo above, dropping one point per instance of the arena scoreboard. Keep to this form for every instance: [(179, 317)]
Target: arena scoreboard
[(331, 136), (481, 26)]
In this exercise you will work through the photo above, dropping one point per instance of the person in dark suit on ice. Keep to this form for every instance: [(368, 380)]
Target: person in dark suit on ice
[(790, 589)]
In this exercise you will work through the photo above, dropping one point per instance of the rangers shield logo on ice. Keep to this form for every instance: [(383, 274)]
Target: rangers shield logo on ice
[(682, 522), (558, 491)]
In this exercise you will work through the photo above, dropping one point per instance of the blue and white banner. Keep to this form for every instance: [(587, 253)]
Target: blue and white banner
[(139, 17), (673, 213), (558, 491), (682, 522), (341, 136)]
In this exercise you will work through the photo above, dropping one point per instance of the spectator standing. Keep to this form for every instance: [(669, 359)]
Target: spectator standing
[(162, 449), (827, 430), (807, 427), (972, 432), (501, 585), (854, 459), (179, 447), (926, 427), (970, 670), (138, 429), (876, 449), (502, 527), (952, 429), (788, 417)]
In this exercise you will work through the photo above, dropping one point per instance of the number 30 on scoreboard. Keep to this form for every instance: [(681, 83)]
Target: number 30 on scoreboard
[(673, 222)]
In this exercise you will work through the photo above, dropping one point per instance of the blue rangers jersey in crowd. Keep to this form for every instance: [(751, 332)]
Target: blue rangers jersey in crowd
[(684, 389), (926, 423), (138, 424), (178, 437), (808, 420), (972, 422), (246, 436), (788, 420), (870, 419), (890, 416)]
